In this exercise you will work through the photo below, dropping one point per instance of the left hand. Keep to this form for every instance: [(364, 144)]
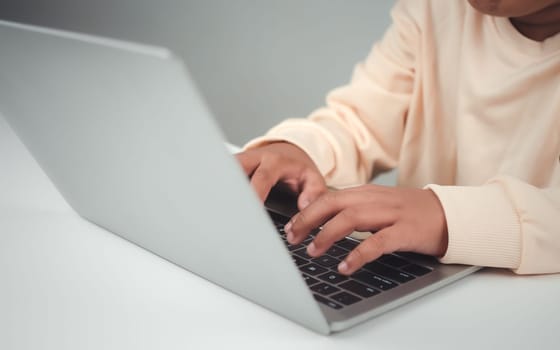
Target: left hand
[(403, 219)]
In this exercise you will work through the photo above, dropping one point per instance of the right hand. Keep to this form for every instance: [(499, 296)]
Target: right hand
[(283, 162)]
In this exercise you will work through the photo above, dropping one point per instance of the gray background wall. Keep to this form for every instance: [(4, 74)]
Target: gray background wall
[(255, 61)]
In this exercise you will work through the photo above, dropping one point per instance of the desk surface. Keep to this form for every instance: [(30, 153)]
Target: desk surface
[(67, 284)]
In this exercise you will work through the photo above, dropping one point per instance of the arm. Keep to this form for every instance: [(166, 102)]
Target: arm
[(359, 132)]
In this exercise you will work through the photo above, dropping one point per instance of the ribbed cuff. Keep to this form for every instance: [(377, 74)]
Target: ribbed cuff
[(482, 224), (304, 134)]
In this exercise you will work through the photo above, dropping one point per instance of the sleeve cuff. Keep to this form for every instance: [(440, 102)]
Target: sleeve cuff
[(482, 225)]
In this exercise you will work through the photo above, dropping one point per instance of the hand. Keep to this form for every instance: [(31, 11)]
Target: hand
[(403, 219), (283, 162)]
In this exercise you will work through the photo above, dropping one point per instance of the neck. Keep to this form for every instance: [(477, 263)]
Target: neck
[(540, 25)]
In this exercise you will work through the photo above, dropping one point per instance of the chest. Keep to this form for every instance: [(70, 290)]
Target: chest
[(507, 121)]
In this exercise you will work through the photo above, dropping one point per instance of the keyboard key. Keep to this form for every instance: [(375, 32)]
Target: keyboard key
[(333, 277), (347, 244), (309, 280), (327, 302), (337, 252), (299, 261), (388, 272), (312, 269), (393, 260), (345, 298), (360, 289), (416, 269), (302, 252), (324, 289), (295, 247), (326, 261), (277, 219), (374, 280)]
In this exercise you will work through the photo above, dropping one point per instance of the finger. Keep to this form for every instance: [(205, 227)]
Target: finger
[(313, 185), (383, 242), (313, 216), (358, 218), (263, 179), (321, 210), (249, 161), (334, 230)]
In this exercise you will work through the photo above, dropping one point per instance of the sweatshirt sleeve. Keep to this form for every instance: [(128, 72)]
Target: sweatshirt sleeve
[(359, 132), (504, 223)]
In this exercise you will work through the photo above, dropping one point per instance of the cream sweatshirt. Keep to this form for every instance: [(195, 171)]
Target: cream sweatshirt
[(463, 104)]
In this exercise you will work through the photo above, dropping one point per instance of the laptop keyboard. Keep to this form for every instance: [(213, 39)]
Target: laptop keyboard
[(338, 291)]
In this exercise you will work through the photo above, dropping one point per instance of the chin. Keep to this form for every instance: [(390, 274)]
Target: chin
[(490, 7), (510, 8)]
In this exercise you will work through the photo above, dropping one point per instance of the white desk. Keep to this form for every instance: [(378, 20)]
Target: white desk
[(66, 284)]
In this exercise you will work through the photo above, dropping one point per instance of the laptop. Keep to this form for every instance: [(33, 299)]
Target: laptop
[(125, 136)]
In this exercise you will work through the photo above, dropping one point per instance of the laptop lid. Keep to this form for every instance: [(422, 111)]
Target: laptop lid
[(122, 132)]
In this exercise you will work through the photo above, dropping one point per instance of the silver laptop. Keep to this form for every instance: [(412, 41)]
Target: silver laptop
[(122, 132)]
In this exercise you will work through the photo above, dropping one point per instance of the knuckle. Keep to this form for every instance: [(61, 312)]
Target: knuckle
[(329, 199), (350, 214), (272, 159), (323, 200), (262, 173), (301, 219), (317, 183), (396, 201)]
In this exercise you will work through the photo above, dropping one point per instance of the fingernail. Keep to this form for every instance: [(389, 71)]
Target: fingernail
[(289, 233), (290, 237), (288, 227), (305, 203), (311, 249), (343, 267)]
